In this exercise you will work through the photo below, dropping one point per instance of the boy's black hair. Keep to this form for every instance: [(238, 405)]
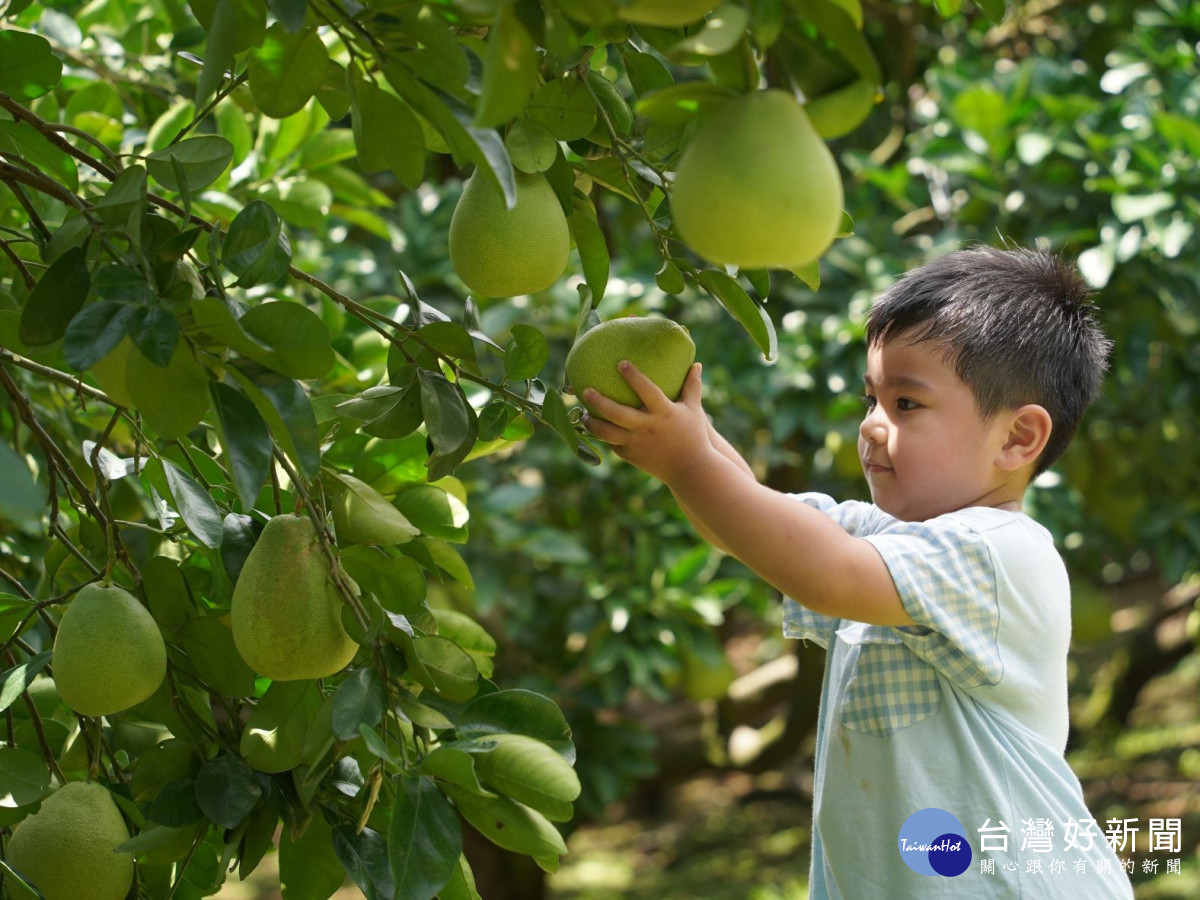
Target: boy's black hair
[(1019, 326)]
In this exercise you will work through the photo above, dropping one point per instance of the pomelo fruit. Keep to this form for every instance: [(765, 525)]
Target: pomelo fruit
[(501, 252), (664, 13), (660, 348), (108, 654), (286, 614), (756, 187), (65, 849)]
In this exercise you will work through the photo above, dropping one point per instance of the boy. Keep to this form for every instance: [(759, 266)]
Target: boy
[(944, 610)]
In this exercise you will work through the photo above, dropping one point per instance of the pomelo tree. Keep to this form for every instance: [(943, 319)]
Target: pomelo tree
[(183, 362)]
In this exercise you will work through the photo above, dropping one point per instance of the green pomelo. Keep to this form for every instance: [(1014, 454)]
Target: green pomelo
[(661, 349), (286, 614), (108, 654), (756, 187), (65, 849), (665, 13), (841, 111), (112, 372), (501, 252)]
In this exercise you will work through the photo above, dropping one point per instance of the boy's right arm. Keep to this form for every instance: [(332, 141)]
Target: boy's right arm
[(727, 450)]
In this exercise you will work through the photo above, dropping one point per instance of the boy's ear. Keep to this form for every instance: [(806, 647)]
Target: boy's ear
[(1029, 430)]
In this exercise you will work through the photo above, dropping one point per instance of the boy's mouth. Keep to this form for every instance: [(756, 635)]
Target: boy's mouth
[(872, 468)]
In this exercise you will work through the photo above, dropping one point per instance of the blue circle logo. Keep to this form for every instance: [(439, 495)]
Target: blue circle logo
[(933, 842)]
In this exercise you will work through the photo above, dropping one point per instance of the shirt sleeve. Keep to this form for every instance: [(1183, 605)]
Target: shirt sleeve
[(856, 518), (947, 581)]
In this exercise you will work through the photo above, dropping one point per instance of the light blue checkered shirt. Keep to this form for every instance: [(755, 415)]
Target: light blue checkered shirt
[(966, 711)]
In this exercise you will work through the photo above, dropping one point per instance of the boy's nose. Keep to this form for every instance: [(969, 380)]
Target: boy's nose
[(872, 429)]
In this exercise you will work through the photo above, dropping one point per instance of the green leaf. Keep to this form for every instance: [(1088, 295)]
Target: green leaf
[(56, 299), (359, 700), (742, 307), (28, 67), (195, 505), (17, 679), (201, 160), (424, 839), (567, 111), (444, 667), (530, 772), (227, 790), (461, 885), (245, 439), (396, 581), (362, 515), (452, 119), (171, 400), (386, 132), (455, 765), (273, 736), (256, 249), (554, 414), (810, 274), (518, 711), (298, 338), (722, 32), (837, 25), (364, 855), (154, 330), (450, 420), (94, 333), (18, 885), (175, 805), (678, 104), (22, 139), (531, 146), (308, 866), (509, 824), (222, 28), (287, 410), (510, 69), (167, 592), (993, 9), (22, 502), (434, 511), (286, 70), (212, 652), (526, 353), (128, 192), (593, 251)]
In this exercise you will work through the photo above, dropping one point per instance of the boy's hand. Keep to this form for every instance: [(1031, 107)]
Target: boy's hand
[(662, 438)]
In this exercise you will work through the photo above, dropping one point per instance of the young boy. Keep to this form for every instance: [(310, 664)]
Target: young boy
[(945, 611)]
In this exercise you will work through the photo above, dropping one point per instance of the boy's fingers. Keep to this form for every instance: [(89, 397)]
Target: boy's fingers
[(647, 390), (692, 386), (611, 434), (607, 408)]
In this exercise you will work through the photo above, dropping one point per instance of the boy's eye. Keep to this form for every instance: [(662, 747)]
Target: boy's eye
[(867, 400), (905, 405)]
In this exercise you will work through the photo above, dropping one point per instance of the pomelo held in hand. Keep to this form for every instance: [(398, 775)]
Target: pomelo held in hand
[(286, 614), (756, 187), (108, 654), (501, 252), (65, 849), (661, 349)]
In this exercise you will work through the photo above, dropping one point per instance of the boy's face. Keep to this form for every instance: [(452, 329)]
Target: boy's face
[(923, 445)]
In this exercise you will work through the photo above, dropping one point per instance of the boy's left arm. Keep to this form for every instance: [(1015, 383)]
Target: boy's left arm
[(795, 548)]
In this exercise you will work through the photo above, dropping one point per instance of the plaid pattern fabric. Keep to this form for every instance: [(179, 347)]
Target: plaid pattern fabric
[(946, 578)]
